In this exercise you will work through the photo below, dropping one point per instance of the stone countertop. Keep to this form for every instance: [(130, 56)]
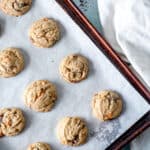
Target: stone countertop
[(89, 8)]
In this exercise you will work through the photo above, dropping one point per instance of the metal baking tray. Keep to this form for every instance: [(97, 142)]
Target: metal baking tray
[(73, 99), (144, 122)]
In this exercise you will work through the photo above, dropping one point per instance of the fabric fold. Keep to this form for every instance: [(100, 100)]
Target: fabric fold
[(126, 26)]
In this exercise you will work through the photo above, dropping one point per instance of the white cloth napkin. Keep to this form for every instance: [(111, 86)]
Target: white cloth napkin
[(126, 26)]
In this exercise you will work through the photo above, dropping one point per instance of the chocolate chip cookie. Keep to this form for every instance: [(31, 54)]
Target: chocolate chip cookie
[(72, 131), (106, 105), (44, 33), (40, 95), (39, 146), (12, 121), (11, 62), (74, 68), (15, 7)]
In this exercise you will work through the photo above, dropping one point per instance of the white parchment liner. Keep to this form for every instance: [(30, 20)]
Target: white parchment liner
[(73, 99)]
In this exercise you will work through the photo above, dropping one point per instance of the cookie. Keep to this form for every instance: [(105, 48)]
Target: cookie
[(11, 62), (39, 146), (44, 33), (106, 105), (72, 131), (15, 7), (40, 96), (74, 68), (12, 121)]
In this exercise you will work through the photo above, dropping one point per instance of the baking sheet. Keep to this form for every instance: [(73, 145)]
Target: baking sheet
[(73, 99)]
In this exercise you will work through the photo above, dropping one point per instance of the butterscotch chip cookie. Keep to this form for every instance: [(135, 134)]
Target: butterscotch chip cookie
[(15, 7), (39, 146), (12, 121), (40, 95), (74, 68), (11, 62), (72, 131), (106, 105), (44, 33)]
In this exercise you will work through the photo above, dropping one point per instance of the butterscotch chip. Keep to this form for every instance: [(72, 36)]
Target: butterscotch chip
[(39, 146), (40, 95), (11, 62), (106, 105), (72, 131), (15, 7), (44, 33), (1, 133), (12, 121), (74, 68)]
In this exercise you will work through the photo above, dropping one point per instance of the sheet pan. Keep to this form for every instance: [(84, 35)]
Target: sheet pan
[(73, 99)]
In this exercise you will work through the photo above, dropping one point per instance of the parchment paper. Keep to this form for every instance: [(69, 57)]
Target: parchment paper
[(73, 99)]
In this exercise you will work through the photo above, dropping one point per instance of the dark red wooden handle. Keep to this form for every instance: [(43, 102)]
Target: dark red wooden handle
[(131, 133)]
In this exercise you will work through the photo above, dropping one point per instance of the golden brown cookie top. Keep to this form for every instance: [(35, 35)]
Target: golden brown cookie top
[(11, 62), (15, 7), (39, 146), (40, 95), (44, 33), (12, 121), (72, 131), (74, 68), (106, 105)]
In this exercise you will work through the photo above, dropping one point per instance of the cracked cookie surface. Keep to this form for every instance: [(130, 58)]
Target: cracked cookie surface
[(12, 121), (15, 7), (39, 146), (44, 33), (11, 62), (40, 95), (74, 68), (106, 105), (72, 131)]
